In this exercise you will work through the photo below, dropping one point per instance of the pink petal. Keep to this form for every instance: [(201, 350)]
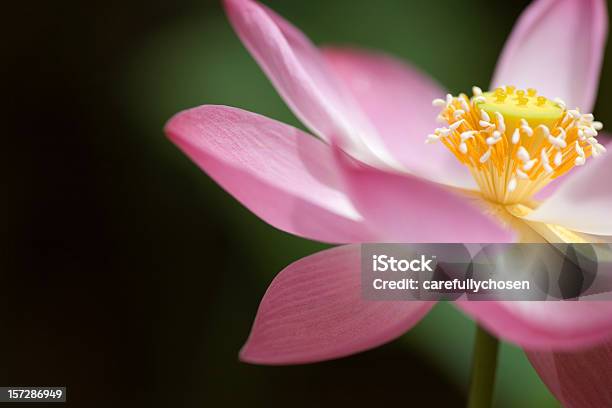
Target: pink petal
[(557, 47), (283, 175), (579, 379), (314, 311), (583, 203), (546, 192), (405, 208), (552, 325), (300, 74), (397, 99)]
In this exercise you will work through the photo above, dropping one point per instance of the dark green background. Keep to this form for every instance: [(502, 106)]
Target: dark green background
[(129, 276)]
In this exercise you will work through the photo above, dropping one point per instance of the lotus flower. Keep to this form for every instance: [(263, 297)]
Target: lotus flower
[(507, 165)]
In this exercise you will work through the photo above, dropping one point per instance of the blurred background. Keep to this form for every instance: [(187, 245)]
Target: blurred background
[(127, 275)]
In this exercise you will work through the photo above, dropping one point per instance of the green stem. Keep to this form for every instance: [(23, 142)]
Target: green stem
[(484, 362)]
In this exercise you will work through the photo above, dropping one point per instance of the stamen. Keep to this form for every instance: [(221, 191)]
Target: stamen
[(526, 128), (512, 184), (560, 103), (529, 165), (485, 116), (432, 138), (579, 150), (455, 125), (492, 140), (522, 175), (523, 154), (516, 136), (485, 157), (558, 158), (545, 162), (514, 142)]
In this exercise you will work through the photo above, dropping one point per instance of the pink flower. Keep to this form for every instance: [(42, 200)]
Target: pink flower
[(369, 177)]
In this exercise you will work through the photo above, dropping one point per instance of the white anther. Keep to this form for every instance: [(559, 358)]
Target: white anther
[(492, 140), (516, 136), (479, 99), (486, 156), (438, 103), (560, 102), (558, 158), (544, 129), (523, 154), (579, 161), (558, 142), (575, 113), (463, 148), (455, 125), (521, 174), (458, 113), (526, 128), (589, 131), (476, 91), (485, 124), (581, 134), (588, 117), (597, 125), (484, 115), (440, 119), (443, 131), (432, 138), (501, 124), (579, 149), (562, 133), (449, 99), (547, 168), (512, 184), (529, 165), (468, 135), (464, 104), (544, 156)]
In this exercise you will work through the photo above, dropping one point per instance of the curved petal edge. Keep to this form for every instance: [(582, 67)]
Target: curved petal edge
[(557, 47), (551, 325), (314, 311), (285, 176), (396, 98), (578, 379), (583, 202)]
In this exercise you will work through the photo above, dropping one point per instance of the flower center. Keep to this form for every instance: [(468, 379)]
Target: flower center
[(514, 142)]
